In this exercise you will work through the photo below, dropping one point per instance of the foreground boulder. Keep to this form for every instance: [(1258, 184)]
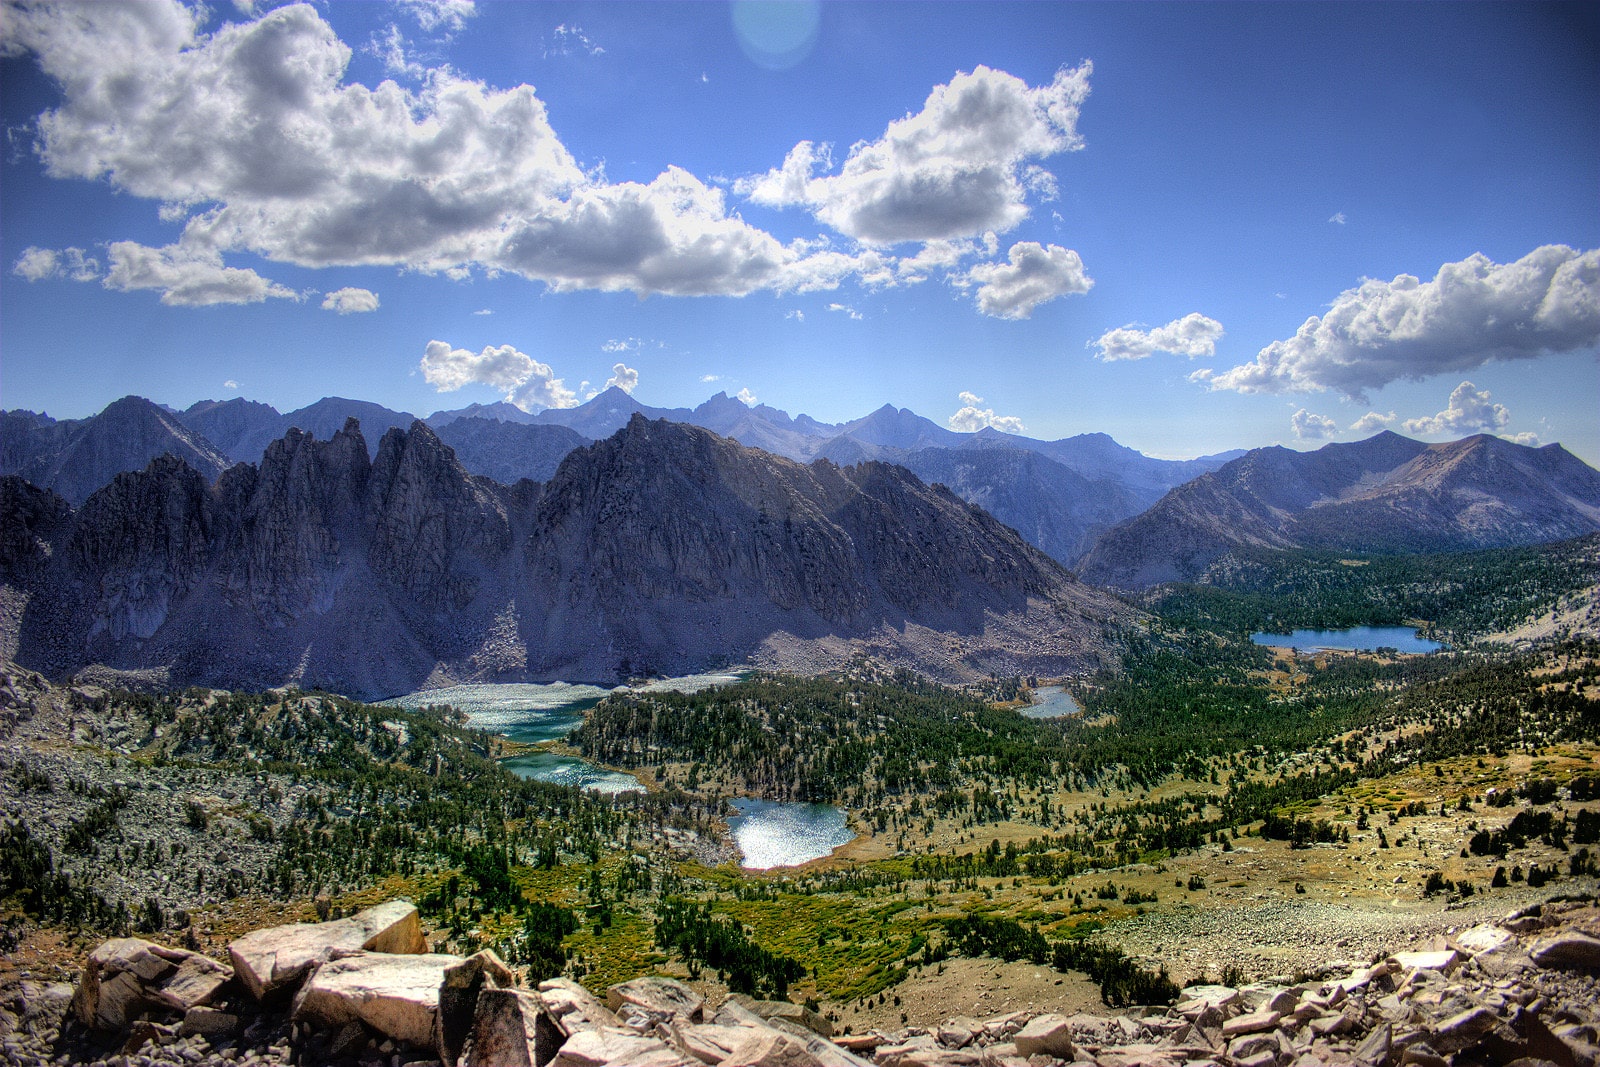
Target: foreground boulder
[(126, 977), (396, 995), (572, 1008), (266, 960)]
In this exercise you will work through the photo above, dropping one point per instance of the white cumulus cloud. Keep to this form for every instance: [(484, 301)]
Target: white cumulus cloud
[(1337, 218), (1469, 410), (350, 301), (251, 137), (1035, 274), (623, 377), (1194, 336), (972, 417), (957, 168), (517, 376), (746, 397), (187, 275), (1309, 427), (1472, 313)]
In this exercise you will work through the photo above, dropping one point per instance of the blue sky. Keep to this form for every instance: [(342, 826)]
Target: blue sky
[(1194, 227)]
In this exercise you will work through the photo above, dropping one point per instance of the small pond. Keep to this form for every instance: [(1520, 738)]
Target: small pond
[(1051, 702), (570, 770), (1355, 639), (773, 833)]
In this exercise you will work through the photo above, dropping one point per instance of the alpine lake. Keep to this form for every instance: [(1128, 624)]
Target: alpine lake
[(1355, 639), (769, 833)]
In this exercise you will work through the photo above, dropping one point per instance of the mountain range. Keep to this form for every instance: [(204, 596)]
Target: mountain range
[(1382, 495), (662, 548), (1059, 494)]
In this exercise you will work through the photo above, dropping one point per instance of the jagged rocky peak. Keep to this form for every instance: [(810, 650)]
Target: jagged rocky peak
[(430, 516), (665, 510)]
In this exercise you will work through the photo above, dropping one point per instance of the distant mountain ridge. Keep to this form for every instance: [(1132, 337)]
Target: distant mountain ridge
[(663, 548), (77, 457), (1085, 484), (1385, 494)]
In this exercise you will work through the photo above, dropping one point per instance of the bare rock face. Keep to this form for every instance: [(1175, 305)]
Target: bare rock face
[(573, 1008), (268, 959), (78, 457), (460, 990), (127, 976), (1049, 1034), (1571, 951), (396, 995), (659, 996), (508, 1030), (619, 1048)]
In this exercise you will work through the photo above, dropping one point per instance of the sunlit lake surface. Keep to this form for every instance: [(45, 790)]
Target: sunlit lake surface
[(1355, 639), (548, 712), (1051, 702), (542, 712), (773, 833), (570, 770)]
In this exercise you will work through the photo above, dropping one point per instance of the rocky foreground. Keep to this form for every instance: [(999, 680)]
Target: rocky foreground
[(365, 991)]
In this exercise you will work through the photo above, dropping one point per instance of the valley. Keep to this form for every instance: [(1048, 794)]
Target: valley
[(1022, 793), (1220, 811)]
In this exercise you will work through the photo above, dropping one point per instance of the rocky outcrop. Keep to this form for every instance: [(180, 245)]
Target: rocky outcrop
[(665, 549), (1481, 997), (1385, 494), (267, 960), (126, 977)]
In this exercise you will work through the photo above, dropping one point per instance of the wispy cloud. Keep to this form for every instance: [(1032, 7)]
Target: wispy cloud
[(567, 40)]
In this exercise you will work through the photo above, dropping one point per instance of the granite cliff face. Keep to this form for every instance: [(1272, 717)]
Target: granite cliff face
[(1385, 494), (665, 548)]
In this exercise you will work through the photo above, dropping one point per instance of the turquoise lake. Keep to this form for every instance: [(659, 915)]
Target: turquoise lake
[(1355, 639)]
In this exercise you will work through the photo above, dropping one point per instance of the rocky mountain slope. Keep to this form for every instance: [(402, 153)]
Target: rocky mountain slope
[(243, 429), (1385, 494), (509, 451), (1054, 508), (76, 457), (665, 548)]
